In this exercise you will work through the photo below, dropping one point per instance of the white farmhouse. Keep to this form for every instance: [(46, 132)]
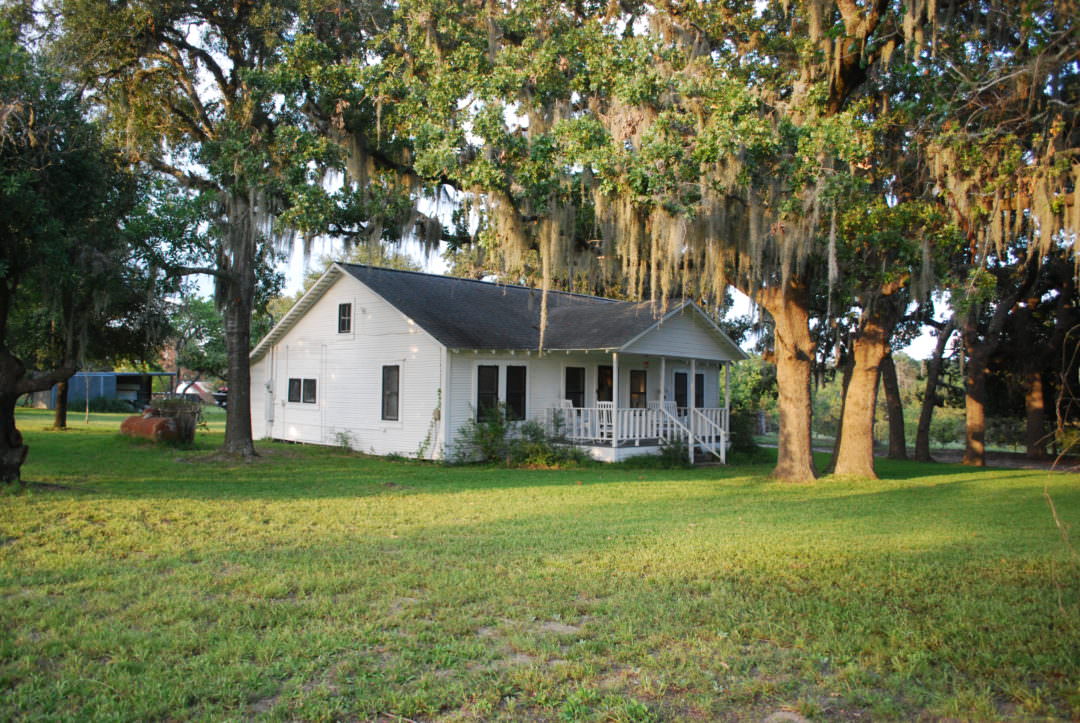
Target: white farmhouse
[(394, 362)]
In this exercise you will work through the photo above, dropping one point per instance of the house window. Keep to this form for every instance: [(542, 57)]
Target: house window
[(681, 391), (487, 390), (699, 391), (575, 386), (391, 379), (344, 318), (302, 390), (309, 391), (515, 392), (604, 377), (637, 388)]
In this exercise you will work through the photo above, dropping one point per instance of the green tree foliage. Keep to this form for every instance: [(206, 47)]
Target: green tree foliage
[(73, 280), (191, 91)]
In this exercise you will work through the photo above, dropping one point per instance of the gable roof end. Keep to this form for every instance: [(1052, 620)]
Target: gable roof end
[(297, 311)]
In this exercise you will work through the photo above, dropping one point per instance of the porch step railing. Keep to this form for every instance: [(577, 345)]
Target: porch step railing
[(706, 428)]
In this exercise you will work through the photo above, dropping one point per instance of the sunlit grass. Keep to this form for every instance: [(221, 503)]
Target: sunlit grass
[(142, 582)]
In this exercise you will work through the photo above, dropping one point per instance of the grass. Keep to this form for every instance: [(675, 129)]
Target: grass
[(147, 583)]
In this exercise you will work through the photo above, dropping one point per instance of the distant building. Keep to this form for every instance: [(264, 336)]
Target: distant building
[(133, 387), (203, 391)]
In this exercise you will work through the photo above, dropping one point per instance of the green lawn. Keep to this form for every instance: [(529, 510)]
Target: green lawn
[(149, 583)]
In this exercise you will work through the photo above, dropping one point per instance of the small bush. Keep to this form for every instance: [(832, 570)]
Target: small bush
[(742, 433), (496, 439)]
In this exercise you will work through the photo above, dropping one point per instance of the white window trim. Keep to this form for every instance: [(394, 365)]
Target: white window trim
[(398, 423), (502, 363), (302, 404)]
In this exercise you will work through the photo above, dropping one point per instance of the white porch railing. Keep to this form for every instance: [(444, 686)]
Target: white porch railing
[(705, 427)]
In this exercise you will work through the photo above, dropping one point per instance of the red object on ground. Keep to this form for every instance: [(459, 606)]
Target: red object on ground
[(159, 429)]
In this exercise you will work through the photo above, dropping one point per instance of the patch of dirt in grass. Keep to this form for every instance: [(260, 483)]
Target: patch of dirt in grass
[(397, 605), (264, 705), (785, 716), (550, 627), (517, 660), (219, 457), (557, 628), (617, 679)]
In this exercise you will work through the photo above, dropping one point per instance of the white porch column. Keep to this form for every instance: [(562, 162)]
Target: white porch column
[(727, 387), (727, 411), (663, 379), (690, 403), (615, 404)]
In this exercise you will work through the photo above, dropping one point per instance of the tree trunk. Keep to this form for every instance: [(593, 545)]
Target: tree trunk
[(14, 382), (12, 450), (60, 414), (894, 407), (975, 412), (831, 467), (926, 414), (236, 296), (1035, 411), (979, 348), (794, 350), (856, 454)]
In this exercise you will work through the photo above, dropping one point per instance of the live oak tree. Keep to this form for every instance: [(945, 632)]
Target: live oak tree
[(190, 92), (677, 148), (70, 279), (1003, 144)]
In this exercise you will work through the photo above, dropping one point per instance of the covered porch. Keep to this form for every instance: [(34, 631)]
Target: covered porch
[(643, 402)]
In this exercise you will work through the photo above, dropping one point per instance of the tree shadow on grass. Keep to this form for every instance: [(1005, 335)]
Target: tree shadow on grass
[(707, 586)]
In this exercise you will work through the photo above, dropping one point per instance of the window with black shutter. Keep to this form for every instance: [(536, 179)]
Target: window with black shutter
[(344, 318), (487, 390), (515, 392), (294, 390), (309, 391), (391, 379), (699, 391)]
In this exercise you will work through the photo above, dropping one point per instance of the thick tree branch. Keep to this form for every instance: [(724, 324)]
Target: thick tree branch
[(41, 381), (208, 62)]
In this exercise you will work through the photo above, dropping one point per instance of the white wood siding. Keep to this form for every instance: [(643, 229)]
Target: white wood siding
[(260, 374), (684, 335), (348, 373), (546, 379)]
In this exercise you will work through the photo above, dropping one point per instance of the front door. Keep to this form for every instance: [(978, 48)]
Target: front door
[(603, 383)]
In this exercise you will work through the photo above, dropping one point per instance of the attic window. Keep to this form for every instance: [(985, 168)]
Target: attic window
[(344, 318)]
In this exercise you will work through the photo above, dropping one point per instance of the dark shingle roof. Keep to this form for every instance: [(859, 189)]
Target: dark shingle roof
[(468, 314)]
